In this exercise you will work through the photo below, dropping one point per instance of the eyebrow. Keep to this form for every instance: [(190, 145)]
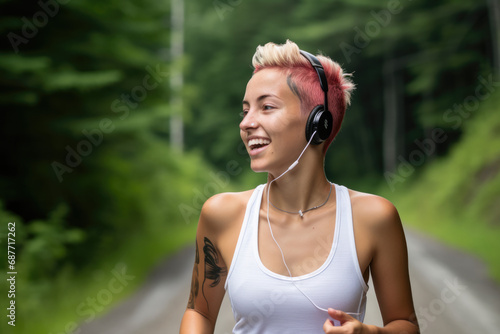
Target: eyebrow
[(260, 98)]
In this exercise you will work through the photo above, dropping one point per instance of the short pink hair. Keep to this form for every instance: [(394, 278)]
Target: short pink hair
[(304, 82)]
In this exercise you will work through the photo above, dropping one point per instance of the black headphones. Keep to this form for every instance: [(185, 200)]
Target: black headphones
[(320, 119)]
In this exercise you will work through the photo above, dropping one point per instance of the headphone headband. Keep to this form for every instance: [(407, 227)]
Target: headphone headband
[(316, 64)]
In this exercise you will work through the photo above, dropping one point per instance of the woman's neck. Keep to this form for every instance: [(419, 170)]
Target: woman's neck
[(302, 188)]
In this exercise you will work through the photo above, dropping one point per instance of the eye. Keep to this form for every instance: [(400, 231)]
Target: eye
[(243, 113), (267, 107)]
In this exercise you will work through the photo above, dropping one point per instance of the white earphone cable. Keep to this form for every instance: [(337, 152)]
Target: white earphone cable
[(272, 234)]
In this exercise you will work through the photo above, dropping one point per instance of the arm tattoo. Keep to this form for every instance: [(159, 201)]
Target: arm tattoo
[(195, 285), (212, 269)]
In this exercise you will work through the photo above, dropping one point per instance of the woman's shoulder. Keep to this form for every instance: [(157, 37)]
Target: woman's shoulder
[(373, 210), (222, 209)]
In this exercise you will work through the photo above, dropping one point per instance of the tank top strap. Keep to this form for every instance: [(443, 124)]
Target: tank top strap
[(346, 237), (252, 210)]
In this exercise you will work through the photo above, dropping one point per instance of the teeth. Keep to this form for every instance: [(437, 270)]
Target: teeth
[(259, 141)]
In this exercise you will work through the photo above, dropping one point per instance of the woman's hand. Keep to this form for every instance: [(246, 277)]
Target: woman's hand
[(348, 324)]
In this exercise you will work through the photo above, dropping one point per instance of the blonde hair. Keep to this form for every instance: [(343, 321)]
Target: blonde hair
[(303, 79)]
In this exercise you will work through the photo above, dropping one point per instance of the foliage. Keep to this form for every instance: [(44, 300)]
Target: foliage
[(69, 99), (457, 198), (86, 167)]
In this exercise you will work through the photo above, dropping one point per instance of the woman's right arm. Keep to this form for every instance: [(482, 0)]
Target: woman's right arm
[(209, 273)]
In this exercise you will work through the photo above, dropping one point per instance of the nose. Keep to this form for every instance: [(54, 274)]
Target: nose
[(248, 122)]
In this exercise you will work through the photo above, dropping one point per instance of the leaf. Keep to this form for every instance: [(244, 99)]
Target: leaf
[(69, 79)]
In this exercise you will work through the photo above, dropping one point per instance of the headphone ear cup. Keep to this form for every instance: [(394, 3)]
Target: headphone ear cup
[(321, 122)]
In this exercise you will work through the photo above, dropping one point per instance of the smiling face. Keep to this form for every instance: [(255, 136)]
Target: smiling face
[(273, 125)]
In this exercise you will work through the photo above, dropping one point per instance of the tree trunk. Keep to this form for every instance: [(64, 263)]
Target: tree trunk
[(494, 13), (390, 133), (176, 78)]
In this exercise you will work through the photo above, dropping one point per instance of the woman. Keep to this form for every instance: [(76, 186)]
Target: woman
[(295, 254)]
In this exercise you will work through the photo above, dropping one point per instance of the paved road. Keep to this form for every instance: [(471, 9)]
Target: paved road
[(452, 294)]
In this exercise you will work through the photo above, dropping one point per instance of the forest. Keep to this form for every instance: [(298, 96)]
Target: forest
[(120, 118)]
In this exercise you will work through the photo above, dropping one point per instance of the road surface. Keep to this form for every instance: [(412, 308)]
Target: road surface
[(452, 294)]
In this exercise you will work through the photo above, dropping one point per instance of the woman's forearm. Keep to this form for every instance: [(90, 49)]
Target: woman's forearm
[(396, 326), (195, 323)]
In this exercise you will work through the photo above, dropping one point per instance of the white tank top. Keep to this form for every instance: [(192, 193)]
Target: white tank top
[(266, 302)]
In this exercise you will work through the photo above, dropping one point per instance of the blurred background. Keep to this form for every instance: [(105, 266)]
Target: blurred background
[(120, 118)]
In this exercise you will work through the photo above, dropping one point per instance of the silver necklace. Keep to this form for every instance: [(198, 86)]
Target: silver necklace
[(301, 212)]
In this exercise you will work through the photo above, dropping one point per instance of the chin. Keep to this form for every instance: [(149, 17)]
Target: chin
[(262, 166), (257, 167)]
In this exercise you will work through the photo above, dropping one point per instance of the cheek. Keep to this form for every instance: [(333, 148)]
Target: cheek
[(280, 123), (288, 133), (296, 130)]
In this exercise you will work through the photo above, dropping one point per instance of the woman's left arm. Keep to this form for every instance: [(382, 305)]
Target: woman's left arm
[(389, 269)]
